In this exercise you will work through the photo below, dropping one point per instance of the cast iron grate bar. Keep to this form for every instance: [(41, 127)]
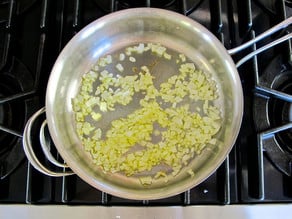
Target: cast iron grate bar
[(60, 18), (113, 5), (251, 181), (76, 17), (11, 15), (10, 131), (266, 142), (184, 7), (259, 152), (28, 195), (223, 173), (16, 96), (224, 181), (269, 92), (44, 15), (216, 17), (6, 50)]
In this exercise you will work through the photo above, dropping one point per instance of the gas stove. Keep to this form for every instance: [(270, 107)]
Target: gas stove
[(257, 171)]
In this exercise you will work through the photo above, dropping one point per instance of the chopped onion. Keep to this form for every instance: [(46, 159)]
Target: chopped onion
[(122, 57), (132, 59), (120, 67), (127, 145)]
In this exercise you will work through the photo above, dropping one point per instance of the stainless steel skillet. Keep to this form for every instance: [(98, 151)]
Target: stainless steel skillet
[(108, 34)]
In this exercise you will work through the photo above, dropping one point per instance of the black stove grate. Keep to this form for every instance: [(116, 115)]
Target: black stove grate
[(34, 32)]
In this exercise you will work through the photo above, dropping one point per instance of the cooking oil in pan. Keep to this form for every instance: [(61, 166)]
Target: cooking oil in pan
[(146, 111)]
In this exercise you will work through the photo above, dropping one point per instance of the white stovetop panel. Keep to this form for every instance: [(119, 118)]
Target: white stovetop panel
[(263, 211)]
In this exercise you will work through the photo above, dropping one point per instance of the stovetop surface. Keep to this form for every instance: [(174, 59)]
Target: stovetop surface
[(32, 34)]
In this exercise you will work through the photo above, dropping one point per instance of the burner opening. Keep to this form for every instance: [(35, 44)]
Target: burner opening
[(280, 111)]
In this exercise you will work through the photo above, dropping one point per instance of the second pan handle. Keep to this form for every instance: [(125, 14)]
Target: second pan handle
[(30, 154)]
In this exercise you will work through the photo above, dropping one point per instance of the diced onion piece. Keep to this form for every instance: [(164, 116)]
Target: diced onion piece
[(146, 180), (103, 106), (182, 57), (132, 59), (87, 128), (120, 67), (191, 173), (157, 49), (140, 48), (97, 134), (95, 116), (104, 61), (160, 174), (156, 132), (109, 59), (213, 141), (167, 56), (122, 57)]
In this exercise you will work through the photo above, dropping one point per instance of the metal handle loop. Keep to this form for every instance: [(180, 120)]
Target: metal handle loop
[(260, 37), (265, 34), (47, 149), (28, 150), (268, 46)]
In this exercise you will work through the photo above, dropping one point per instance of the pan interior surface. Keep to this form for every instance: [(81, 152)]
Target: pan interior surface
[(109, 35)]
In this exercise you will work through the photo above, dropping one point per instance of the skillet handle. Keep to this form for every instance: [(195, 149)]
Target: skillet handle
[(263, 48), (284, 24), (276, 28), (46, 148), (29, 152)]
